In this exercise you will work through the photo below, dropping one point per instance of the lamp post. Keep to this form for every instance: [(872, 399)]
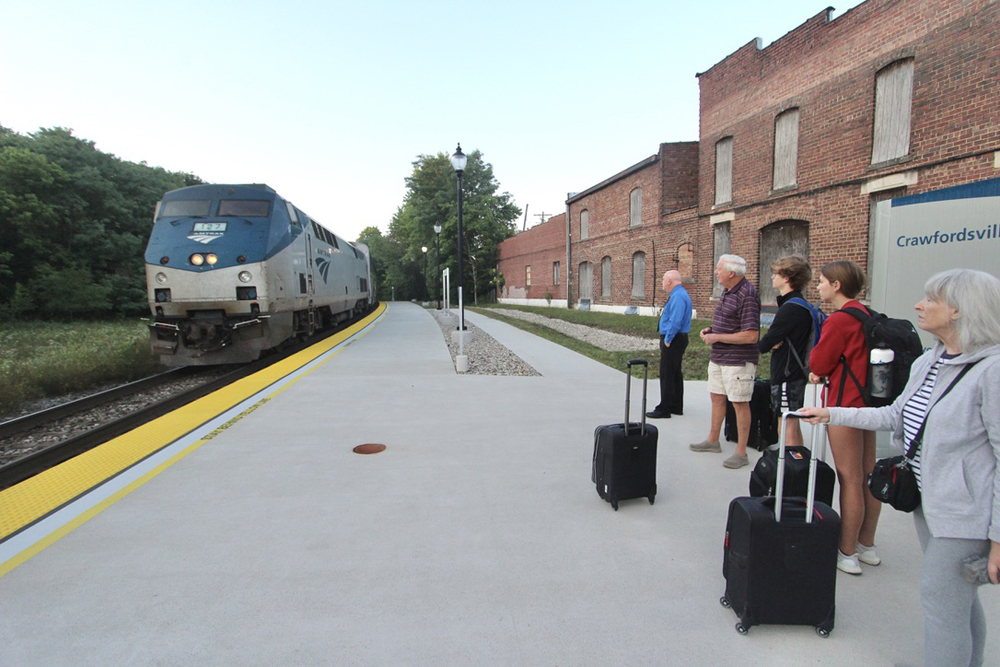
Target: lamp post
[(458, 161), (437, 254), (423, 249)]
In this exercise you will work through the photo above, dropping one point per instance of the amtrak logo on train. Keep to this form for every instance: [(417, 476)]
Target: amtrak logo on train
[(324, 267), (204, 238)]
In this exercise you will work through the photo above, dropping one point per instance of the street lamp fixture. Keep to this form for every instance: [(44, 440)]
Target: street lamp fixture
[(458, 161), (437, 254), (423, 249)]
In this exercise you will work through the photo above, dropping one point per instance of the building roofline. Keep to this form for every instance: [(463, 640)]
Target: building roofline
[(639, 166)]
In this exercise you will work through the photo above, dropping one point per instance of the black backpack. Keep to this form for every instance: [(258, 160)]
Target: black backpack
[(886, 333)]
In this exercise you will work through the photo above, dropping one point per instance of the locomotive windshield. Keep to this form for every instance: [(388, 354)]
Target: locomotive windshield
[(185, 208), (246, 208)]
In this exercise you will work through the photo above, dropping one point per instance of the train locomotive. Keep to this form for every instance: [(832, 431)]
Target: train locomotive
[(234, 270)]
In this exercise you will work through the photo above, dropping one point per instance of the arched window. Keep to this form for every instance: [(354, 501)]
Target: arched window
[(722, 247), (785, 237), (635, 208), (724, 171), (893, 100), (685, 261), (606, 279), (639, 275), (786, 149), (586, 276)]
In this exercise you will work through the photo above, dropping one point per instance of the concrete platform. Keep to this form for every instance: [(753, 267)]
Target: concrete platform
[(475, 538)]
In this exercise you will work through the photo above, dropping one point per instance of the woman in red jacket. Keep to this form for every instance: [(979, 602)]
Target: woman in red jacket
[(842, 341)]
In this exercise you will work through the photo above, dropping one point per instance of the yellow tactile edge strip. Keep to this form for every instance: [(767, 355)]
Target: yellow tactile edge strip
[(27, 502)]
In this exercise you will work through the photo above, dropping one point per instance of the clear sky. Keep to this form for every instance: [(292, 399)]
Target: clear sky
[(330, 102)]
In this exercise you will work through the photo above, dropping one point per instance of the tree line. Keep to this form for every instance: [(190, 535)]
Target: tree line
[(74, 222), (402, 269)]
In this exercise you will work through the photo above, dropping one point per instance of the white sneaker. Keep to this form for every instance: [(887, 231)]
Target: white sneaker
[(868, 555), (848, 564)]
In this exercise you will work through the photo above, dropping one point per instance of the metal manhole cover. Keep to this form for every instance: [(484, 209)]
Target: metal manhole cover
[(369, 448)]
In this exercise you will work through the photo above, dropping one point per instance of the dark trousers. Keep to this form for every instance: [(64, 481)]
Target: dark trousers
[(671, 374)]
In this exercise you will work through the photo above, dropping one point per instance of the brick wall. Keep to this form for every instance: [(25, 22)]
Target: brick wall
[(827, 70), (538, 247)]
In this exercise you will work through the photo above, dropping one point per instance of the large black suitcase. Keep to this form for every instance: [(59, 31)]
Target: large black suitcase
[(780, 559), (624, 463), (763, 420)]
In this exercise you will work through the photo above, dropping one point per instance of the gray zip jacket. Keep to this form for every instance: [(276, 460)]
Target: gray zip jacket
[(960, 494)]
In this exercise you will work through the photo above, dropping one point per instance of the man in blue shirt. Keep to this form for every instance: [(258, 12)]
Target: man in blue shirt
[(675, 325)]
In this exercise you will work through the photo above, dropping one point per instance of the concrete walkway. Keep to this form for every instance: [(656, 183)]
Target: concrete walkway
[(475, 538)]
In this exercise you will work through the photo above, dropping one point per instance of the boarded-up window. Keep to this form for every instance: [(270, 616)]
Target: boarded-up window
[(722, 246), (786, 148), (527, 276), (893, 100), (639, 275), (555, 273), (724, 171), (584, 224), (685, 262), (606, 278), (635, 208), (777, 240), (586, 281)]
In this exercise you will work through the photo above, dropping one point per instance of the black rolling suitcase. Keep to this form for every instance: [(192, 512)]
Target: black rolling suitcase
[(763, 421), (624, 464), (780, 559)]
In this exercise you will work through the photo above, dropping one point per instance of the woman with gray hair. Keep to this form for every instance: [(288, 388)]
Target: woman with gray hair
[(956, 463)]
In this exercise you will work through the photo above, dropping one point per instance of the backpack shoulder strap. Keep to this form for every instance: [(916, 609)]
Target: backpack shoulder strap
[(800, 301), (857, 313)]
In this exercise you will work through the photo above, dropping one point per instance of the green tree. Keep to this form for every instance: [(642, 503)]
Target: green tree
[(432, 196), (69, 212)]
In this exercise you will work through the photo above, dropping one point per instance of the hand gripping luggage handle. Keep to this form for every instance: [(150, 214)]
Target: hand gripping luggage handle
[(628, 391)]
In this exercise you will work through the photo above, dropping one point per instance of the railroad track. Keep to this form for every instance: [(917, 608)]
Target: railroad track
[(25, 462)]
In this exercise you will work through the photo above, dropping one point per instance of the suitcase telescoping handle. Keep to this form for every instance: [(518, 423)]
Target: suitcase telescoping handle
[(813, 463), (628, 391)]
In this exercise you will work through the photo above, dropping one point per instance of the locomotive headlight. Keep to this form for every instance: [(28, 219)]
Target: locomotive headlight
[(161, 278), (245, 277), (211, 258), (197, 260)]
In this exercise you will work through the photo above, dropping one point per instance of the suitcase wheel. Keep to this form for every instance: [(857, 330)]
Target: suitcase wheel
[(742, 629), (724, 601), (823, 632), (651, 499), (614, 504)]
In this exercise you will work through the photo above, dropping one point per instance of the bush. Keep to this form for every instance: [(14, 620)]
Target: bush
[(44, 359)]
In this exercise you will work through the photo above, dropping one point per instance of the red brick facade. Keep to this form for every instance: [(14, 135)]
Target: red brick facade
[(539, 249), (827, 70)]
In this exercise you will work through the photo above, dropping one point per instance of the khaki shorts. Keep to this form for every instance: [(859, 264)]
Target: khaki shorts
[(736, 382)]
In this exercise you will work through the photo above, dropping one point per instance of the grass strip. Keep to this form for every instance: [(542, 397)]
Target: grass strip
[(695, 362)]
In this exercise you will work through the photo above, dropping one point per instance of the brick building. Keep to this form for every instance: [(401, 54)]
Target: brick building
[(533, 264), (799, 140)]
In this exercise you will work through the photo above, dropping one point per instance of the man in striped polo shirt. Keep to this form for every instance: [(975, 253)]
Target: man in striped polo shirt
[(733, 362)]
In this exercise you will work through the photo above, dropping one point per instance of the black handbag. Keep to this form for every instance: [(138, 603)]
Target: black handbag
[(892, 480)]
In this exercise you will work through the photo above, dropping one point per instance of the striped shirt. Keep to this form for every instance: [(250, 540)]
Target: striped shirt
[(738, 310), (915, 412)]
